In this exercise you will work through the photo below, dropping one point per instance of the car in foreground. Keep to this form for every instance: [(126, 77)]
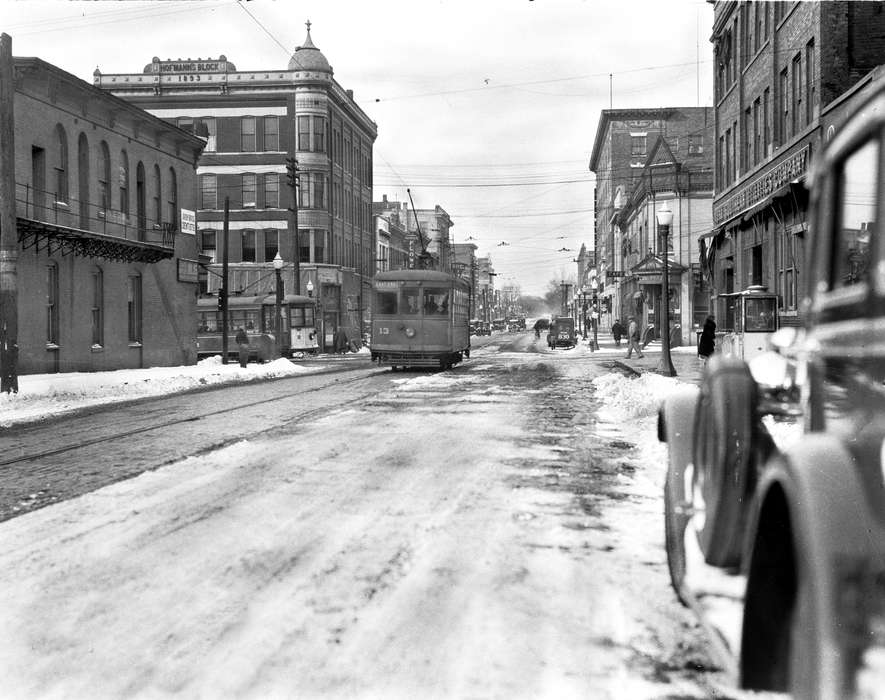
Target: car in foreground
[(775, 485)]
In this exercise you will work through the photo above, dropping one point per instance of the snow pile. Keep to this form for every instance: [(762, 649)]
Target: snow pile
[(635, 397), (44, 395)]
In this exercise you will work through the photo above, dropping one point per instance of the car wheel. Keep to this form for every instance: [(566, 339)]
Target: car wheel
[(722, 455)]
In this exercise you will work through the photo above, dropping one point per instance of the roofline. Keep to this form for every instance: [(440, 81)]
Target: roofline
[(39, 63)]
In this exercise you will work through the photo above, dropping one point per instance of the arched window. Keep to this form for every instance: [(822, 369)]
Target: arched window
[(61, 167), (158, 196), (140, 201), (104, 177), (173, 199), (97, 307), (124, 182), (83, 180)]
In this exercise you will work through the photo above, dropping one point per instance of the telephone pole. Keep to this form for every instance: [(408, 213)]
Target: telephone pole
[(8, 233), (294, 180)]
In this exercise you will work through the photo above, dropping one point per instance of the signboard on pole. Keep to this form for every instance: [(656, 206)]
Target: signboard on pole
[(188, 222)]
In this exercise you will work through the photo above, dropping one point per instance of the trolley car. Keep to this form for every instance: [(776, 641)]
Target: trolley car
[(420, 318), (256, 314)]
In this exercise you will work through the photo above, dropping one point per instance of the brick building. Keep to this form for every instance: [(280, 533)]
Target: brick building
[(433, 224), (779, 66), (106, 267), (643, 158), (255, 122)]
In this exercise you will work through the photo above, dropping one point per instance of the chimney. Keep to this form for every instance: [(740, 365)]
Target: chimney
[(384, 199)]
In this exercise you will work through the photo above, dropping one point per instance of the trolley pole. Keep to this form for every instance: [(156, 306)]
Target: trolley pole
[(8, 234)]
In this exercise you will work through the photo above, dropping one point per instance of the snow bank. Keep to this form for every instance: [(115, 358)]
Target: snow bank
[(634, 397), (44, 395)]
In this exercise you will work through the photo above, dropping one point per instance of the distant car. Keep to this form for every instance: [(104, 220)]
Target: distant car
[(542, 324), (562, 333)]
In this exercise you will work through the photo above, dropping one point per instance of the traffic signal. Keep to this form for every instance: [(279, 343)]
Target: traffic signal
[(220, 300), (292, 171)]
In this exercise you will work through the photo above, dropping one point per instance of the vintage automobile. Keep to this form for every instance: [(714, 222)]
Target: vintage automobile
[(794, 512), (562, 332)]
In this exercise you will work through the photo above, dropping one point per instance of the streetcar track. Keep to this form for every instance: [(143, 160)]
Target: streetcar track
[(190, 419)]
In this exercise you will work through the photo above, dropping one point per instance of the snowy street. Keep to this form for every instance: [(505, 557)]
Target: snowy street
[(491, 531)]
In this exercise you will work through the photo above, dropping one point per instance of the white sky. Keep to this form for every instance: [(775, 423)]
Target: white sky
[(465, 93)]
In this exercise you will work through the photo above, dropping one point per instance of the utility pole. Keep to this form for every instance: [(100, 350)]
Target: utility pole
[(294, 180), (8, 233), (223, 291)]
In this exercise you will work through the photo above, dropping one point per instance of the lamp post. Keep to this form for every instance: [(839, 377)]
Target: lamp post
[(278, 308), (594, 314), (665, 219)]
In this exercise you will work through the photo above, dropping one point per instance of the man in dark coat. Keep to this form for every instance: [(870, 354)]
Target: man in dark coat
[(243, 346), (339, 341), (707, 342), (617, 332)]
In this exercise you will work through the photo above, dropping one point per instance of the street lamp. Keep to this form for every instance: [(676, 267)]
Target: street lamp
[(277, 268), (309, 288), (665, 219)]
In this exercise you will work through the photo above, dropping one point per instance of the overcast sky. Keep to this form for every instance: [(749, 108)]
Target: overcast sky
[(487, 108)]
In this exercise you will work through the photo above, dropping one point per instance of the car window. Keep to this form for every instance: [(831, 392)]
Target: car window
[(856, 211)]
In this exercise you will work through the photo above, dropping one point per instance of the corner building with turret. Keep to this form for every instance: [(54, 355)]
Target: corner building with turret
[(255, 123)]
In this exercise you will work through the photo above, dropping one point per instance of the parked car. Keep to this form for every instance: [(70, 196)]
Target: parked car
[(562, 333), (799, 524)]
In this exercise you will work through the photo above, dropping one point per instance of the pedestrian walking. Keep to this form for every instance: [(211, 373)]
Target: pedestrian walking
[(243, 346), (633, 336), (707, 341), (617, 332)]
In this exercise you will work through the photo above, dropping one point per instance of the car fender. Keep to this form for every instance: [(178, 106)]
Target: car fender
[(676, 421), (813, 492)]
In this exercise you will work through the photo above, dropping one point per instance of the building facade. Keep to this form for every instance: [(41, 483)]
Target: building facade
[(780, 67), (270, 133), (464, 265), (107, 260), (427, 231), (643, 158)]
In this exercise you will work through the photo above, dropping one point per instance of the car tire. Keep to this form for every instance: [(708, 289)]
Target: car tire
[(723, 457)]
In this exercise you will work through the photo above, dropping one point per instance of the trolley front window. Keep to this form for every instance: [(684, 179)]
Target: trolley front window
[(436, 302), (302, 317), (244, 318), (411, 301), (385, 302), (759, 315)]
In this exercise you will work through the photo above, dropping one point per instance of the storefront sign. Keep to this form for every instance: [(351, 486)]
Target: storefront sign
[(192, 66), (188, 222), (188, 270), (790, 168)]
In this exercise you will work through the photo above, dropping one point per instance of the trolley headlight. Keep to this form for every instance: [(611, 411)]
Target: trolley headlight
[(409, 331)]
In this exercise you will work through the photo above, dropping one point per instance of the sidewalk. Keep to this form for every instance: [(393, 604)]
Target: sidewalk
[(684, 358)]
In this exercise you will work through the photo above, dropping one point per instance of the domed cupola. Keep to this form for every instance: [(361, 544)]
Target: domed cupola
[(308, 57)]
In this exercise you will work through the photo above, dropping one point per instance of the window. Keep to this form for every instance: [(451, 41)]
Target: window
[(248, 190), (271, 133), (83, 181), (208, 191), (385, 302), (319, 245), (303, 133), (271, 190), (97, 307), (638, 144), (757, 131), (783, 122), (248, 238), (61, 169), (304, 245), (809, 82), (206, 128), (186, 124), (124, 183), (411, 301), (209, 244), (247, 134), (746, 139), (856, 209), (52, 304), (796, 85), (104, 177), (134, 308), (158, 195), (271, 244), (766, 130), (319, 134), (173, 199)]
